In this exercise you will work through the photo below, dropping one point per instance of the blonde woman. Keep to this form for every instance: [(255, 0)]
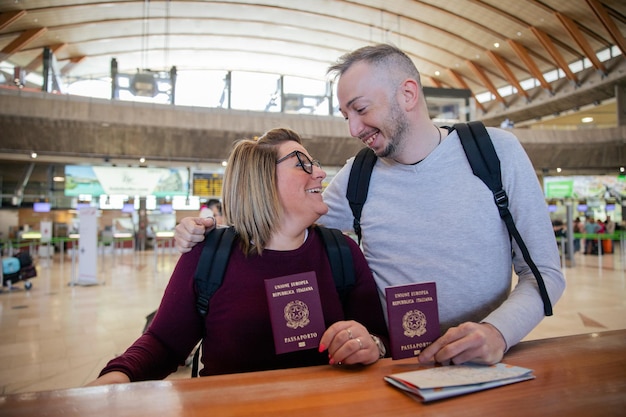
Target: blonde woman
[(272, 197)]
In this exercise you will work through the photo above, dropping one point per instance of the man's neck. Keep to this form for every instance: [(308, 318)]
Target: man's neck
[(416, 150)]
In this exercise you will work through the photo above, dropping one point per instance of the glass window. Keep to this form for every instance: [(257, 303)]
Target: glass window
[(604, 55), (305, 96), (483, 97), (528, 84), (202, 88), (91, 88), (255, 91), (507, 90), (576, 66), (551, 76)]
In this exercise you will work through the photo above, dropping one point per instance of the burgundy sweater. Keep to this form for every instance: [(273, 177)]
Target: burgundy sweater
[(238, 330)]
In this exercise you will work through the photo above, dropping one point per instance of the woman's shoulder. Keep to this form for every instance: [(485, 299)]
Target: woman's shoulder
[(331, 230)]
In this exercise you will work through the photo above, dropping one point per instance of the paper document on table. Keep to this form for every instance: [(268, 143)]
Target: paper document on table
[(448, 381)]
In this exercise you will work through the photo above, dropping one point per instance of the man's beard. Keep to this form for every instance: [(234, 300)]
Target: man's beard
[(398, 127)]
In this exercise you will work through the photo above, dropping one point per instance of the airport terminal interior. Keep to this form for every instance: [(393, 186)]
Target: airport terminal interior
[(97, 94)]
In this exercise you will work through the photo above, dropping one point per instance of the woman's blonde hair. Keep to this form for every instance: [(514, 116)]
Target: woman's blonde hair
[(249, 194)]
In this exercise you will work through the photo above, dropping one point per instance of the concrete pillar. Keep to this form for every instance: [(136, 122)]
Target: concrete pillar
[(143, 225), (620, 96)]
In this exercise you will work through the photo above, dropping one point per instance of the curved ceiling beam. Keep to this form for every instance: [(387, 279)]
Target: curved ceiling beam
[(38, 61), (22, 40), (504, 13), (504, 68), (558, 58), (575, 33), (480, 73), (522, 53), (462, 84), (7, 18), (608, 24)]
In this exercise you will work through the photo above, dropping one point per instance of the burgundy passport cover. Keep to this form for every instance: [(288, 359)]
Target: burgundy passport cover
[(295, 311), (413, 318)]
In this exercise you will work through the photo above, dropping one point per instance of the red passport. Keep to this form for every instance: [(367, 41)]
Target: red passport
[(295, 311), (413, 318)]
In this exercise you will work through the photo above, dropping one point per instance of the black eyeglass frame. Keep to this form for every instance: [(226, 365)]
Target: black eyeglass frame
[(304, 161)]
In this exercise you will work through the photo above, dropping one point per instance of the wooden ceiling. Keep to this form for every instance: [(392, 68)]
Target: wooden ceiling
[(481, 45), (453, 43)]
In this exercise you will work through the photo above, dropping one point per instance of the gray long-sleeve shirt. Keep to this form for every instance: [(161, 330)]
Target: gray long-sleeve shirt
[(436, 221)]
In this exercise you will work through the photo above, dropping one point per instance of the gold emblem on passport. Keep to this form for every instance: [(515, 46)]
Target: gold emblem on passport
[(296, 314), (414, 323)]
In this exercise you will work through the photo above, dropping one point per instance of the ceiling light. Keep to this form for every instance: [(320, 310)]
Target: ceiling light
[(437, 73), (496, 44), (58, 179), (587, 119), (33, 155), (144, 84), (142, 160)]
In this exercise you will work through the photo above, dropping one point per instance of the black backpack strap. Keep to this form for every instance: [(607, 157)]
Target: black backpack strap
[(358, 185), (212, 264), (340, 259), (486, 165), (210, 273)]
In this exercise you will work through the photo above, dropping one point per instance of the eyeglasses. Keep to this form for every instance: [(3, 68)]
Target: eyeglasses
[(304, 161)]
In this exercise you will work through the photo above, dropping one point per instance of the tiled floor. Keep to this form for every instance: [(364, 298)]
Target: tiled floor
[(59, 335)]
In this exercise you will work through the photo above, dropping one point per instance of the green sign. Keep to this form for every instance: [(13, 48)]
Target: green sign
[(559, 189), (131, 181)]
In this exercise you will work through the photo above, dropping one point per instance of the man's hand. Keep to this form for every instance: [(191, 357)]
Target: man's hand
[(469, 342), (190, 231)]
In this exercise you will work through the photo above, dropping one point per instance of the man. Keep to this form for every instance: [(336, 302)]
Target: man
[(591, 228), (213, 209), (609, 225), (428, 218)]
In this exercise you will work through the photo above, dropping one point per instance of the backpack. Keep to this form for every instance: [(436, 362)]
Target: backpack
[(216, 252), (485, 165)]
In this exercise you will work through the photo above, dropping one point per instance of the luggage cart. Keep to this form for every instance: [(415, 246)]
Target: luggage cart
[(18, 268)]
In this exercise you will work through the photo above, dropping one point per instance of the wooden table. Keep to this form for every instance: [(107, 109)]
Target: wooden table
[(583, 375)]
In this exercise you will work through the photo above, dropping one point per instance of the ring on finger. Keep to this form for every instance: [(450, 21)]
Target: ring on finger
[(360, 343), (349, 333)]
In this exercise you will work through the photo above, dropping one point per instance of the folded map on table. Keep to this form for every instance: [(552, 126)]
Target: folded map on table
[(435, 383)]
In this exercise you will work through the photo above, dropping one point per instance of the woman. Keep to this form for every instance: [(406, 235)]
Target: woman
[(272, 196)]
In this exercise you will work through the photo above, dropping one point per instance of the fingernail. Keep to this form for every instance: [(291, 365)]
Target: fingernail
[(322, 347)]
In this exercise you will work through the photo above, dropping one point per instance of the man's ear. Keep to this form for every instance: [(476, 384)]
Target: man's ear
[(409, 94)]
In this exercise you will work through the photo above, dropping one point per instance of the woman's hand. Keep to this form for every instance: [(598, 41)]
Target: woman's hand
[(114, 377), (349, 343)]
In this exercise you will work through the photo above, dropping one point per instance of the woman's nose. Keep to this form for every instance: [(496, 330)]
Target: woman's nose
[(318, 172)]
